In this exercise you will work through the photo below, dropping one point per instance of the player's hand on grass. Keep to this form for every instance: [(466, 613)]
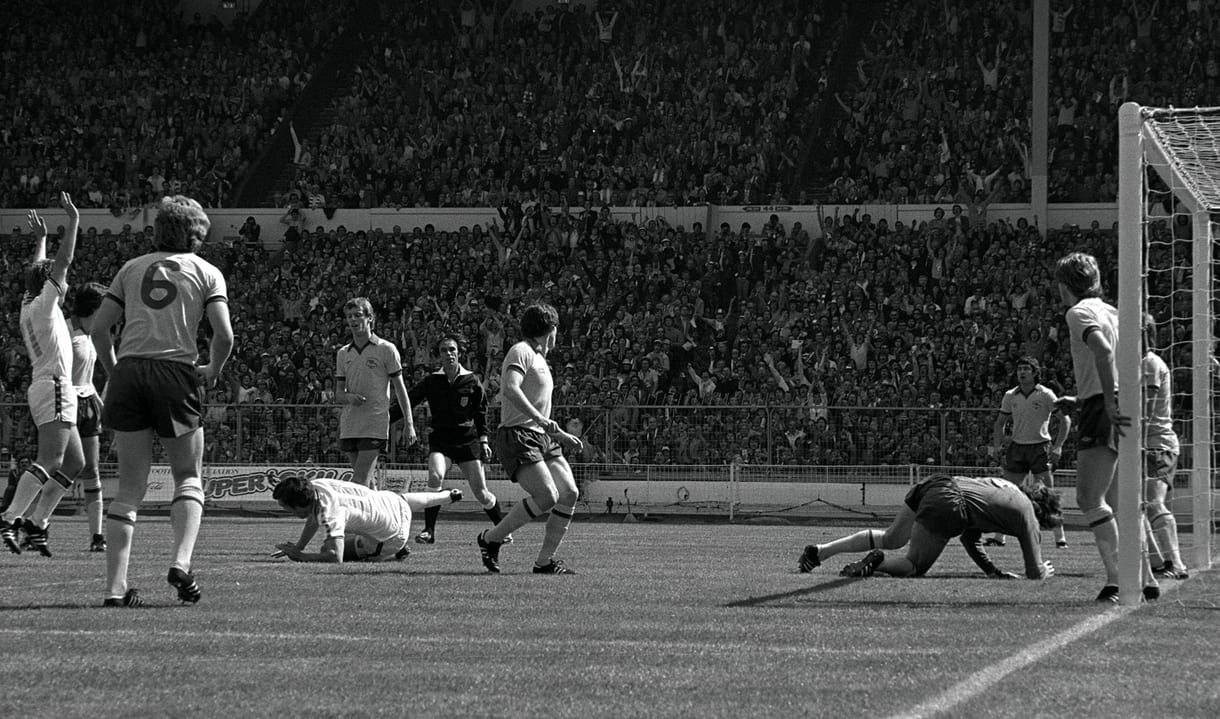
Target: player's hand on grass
[(290, 550), (1048, 569)]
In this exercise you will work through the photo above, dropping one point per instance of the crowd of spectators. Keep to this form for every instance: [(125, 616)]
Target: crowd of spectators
[(121, 103), (633, 103), (677, 344), (769, 344), (939, 111)]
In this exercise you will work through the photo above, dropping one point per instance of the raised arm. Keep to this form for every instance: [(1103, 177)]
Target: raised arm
[(67, 246)]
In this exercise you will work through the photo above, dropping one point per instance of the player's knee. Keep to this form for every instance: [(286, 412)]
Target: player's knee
[(189, 490), (435, 479), (1154, 508), (567, 497), (1097, 516), (484, 497), (121, 512), (543, 501), (90, 479), (882, 539)]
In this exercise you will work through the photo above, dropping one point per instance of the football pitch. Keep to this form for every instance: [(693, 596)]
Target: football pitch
[(664, 619)]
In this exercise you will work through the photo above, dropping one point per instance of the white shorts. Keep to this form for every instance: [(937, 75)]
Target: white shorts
[(368, 549), (52, 400)]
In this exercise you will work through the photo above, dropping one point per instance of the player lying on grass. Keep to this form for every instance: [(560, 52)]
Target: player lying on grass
[(940, 508), (361, 524)]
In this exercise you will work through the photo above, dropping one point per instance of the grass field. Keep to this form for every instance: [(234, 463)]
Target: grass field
[(664, 620)]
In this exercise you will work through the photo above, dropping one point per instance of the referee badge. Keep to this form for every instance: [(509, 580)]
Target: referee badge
[(463, 401)]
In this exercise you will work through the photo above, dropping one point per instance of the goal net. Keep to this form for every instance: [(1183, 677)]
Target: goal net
[(1168, 209)]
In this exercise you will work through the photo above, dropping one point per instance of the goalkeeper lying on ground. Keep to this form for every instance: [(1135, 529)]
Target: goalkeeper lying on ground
[(940, 508)]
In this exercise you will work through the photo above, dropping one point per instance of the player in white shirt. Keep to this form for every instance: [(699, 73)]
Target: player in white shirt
[(1161, 448), (1027, 448), (88, 423), (359, 524), (51, 397), (1093, 335)]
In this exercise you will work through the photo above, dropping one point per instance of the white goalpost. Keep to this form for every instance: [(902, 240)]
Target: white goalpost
[(1168, 212)]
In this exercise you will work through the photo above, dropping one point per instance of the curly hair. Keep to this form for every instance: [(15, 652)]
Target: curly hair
[(181, 225), (1047, 506), (88, 299)]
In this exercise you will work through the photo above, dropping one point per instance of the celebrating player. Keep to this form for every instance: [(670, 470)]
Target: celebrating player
[(459, 431), (366, 369), (940, 508), (53, 404), (362, 524), (530, 445), (1029, 449), (154, 385)]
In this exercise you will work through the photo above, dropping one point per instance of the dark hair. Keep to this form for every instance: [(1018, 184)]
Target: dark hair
[(537, 320), (88, 299), (181, 225), (1032, 364), (294, 492), (1047, 507), (455, 338), (36, 275)]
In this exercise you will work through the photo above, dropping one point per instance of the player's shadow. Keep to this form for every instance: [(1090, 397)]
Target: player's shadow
[(404, 571), (117, 611)]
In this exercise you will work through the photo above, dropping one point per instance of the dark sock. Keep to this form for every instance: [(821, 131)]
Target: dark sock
[(493, 513), (430, 515)]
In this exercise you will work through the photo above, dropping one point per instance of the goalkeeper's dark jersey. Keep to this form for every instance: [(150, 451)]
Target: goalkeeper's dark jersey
[(459, 408), (971, 506)]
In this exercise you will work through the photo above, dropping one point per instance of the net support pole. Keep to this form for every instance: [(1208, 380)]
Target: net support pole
[(1130, 317), (1203, 438)]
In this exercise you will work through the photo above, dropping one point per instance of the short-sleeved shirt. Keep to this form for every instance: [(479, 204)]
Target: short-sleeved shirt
[(45, 331), (367, 371), (1089, 315), (1031, 413), (164, 295), (84, 358), (1158, 425), (346, 508), (536, 384)]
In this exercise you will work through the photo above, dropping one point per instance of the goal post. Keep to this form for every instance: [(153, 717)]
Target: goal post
[(1166, 267)]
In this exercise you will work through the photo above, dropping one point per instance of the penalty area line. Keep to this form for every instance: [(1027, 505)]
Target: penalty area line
[(988, 677)]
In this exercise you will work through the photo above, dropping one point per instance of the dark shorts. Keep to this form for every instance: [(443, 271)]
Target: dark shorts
[(1027, 458), (1159, 465), (153, 394), (362, 444), (518, 446), (1094, 429), (89, 416), (938, 505), (461, 451)]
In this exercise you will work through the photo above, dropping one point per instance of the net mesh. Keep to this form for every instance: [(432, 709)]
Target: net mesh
[(1182, 195), (1191, 141)]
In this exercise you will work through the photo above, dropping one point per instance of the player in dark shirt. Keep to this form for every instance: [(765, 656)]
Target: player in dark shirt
[(940, 508), (455, 398)]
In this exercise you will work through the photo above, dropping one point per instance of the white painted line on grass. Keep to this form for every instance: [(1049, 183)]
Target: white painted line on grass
[(981, 681)]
